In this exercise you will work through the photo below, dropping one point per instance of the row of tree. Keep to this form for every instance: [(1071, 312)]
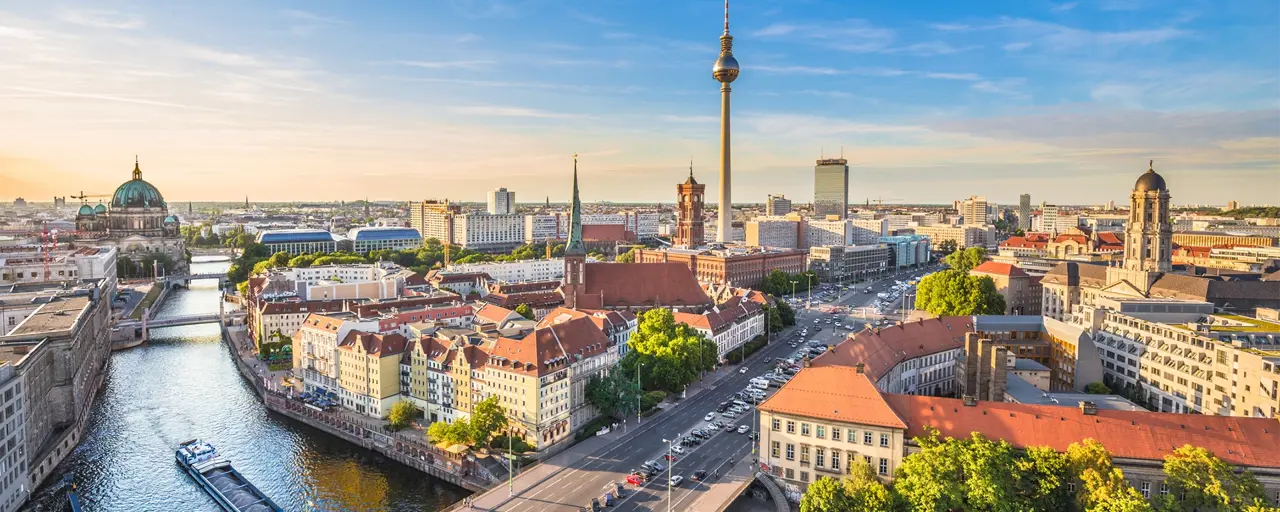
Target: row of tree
[(128, 268), (487, 419), (981, 474), (778, 283), (955, 291), (663, 355)]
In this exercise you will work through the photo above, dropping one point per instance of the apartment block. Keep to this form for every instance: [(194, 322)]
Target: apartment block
[(777, 205), (729, 325), (964, 236), (779, 232), (1021, 291), (851, 263)]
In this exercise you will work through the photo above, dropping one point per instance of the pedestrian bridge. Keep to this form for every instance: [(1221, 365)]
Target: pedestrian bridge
[(175, 321), (185, 279)]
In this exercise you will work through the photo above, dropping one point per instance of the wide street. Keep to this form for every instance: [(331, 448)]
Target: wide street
[(574, 486)]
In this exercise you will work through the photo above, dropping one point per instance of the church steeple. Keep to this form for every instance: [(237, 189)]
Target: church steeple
[(575, 220), (137, 172)]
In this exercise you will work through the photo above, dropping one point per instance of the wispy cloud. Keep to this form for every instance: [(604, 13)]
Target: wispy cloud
[(499, 111), (467, 38), (107, 97), (445, 64), (874, 72), (797, 70), (1007, 87), (1065, 6), (689, 119), (1121, 5), (1014, 47), (592, 19), (1057, 37), (101, 18), (954, 76), (853, 35), (485, 8), (304, 23)]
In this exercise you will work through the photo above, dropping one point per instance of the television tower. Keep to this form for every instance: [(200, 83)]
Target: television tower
[(725, 71)]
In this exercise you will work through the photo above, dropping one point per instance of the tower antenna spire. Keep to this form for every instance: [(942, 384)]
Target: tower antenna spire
[(690, 167), (726, 16)]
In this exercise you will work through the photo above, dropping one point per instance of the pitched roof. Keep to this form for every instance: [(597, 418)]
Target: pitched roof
[(1253, 442), (295, 307), (322, 322), (882, 349), (495, 314), (641, 285), (533, 299), (381, 345), (1024, 242), (1002, 269), (558, 341), (604, 232), (837, 393), (1110, 238), (721, 316)]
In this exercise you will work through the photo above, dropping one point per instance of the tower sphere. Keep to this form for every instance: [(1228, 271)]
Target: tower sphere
[(726, 68)]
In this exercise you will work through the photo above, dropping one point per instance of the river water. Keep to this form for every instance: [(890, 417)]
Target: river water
[(183, 384)]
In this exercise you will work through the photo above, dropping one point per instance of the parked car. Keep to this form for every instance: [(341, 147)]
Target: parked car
[(743, 429), (699, 475), (710, 416), (675, 480)]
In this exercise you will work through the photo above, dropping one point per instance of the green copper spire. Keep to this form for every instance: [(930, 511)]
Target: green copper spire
[(575, 220)]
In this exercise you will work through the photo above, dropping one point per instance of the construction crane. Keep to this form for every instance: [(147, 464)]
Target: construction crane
[(84, 196)]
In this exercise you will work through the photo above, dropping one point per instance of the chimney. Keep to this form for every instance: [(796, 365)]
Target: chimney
[(1089, 408), (861, 368), (970, 400)]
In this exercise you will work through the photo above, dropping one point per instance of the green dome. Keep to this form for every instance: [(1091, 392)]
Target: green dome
[(172, 219), (137, 193), (101, 208), (85, 210)]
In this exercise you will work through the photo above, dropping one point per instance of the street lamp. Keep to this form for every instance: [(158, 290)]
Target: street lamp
[(639, 391), (671, 464), (809, 281)]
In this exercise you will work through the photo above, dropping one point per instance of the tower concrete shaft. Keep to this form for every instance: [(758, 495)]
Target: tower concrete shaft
[(724, 231)]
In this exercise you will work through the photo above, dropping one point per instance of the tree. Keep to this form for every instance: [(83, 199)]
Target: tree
[(825, 495), (458, 432), (1103, 486), (967, 259), (787, 314), (865, 491), (672, 355), (302, 261), (525, 311), (486, 418), (614, 394), (402, 415), (1042, 479), (1205, 482), (952, 292), (775, 319), (933, 479), (1097, 388), (946, 247), (627, 257)]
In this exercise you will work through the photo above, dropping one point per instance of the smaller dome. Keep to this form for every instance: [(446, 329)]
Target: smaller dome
[(85, 211), (172, 219), (101, 208), (1150, 181)]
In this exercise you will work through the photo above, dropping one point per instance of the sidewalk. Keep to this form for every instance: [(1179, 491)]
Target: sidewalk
[(725, 490)]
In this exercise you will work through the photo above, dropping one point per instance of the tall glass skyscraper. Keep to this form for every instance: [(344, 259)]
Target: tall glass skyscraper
[(831, 188)]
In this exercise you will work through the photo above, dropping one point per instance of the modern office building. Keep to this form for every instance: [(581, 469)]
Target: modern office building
[(299, 241), (831, 188), (434, 219), (867, 231), (909, 250), (366, 239), (1024, 212), (502, 202), (974, 210), (739, 267), (964, 236), (778, 232), (1233, 205), (777, 205), (835, 264), (481, 231), (820, 232)]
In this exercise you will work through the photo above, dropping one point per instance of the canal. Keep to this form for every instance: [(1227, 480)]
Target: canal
[(183, 384)]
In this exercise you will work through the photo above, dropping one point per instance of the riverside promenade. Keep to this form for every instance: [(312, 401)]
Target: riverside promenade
[(406, 447)]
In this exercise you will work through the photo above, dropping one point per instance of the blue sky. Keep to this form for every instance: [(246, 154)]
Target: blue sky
[(930, 100)]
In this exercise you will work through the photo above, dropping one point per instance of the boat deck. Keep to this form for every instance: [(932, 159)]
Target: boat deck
[(239, 491)]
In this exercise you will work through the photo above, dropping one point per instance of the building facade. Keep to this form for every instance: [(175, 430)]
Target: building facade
[(910, 250), (974, 210), (851, 263), (1024, 212), (366, 239), (964, 236), (779, 232), (777, 205), (137, 224), (299, 241), (745, 268), (434, 219), (1021, 291), (831, 188), (488, 232), (502, 202), (867, 231), (689, 222)]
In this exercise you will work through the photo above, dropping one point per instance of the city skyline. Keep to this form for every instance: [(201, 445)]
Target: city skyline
[(288, 104)]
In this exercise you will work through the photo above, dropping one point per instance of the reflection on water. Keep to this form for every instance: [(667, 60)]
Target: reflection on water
[(183, 384)]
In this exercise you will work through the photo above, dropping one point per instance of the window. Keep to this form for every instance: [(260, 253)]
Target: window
[(884, 440), (791, 474), (853, 436), (777, 425), (866, 438), (868, 459), (835, 460), (791, 451), (804, 429), (804, 476), (819, 457), (804, 454), (835, 434), (774, 450), (1164, 489), (884, 466), (791, 427), (821, 432)]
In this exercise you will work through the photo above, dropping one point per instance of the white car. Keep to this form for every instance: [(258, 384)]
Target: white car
[(710, 416), (743, 429), (677, 449), (743, 370)]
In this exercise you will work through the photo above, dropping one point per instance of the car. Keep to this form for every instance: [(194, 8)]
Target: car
[(743, 370), (677, 449), (743, 429), (699, 475), (675, 480), (635, 479), (658, 466)]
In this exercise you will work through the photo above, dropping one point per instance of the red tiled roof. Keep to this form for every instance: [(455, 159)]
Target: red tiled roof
[(494, 314), (314, 321), (513, 300), (882, 349), (604, 233), (837, 393), (375, 344), (1024, 243), (723, 315), (1252, 442), (1001, 269), (641, 285), (1110, 238), (558, 341), (370, 308)]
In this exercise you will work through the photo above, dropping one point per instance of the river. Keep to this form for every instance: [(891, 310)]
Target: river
[(183, 384)]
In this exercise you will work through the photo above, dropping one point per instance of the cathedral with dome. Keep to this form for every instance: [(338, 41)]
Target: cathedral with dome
[(136, 222)]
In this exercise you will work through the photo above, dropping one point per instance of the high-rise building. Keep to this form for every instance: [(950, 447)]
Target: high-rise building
[(502, 202), (780, 232), (777, 206), (974, 210), (1233, 205), (1049, 218), (689, 226), (1024, 212), (434, 219), (725, 71), (831, 188)]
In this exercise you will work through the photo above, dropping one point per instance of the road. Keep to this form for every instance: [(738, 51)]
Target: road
[(574, 486)]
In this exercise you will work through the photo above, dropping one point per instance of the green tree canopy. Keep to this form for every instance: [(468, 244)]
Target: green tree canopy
[(670, 354), (967, 259), (787, 314), (1103, 486), (458, 432), (525, 310), (1205, 482), (487, 418), (953, 292), (1097, 388), (402, 414), (614, 394), (627, 257), (946, 247)]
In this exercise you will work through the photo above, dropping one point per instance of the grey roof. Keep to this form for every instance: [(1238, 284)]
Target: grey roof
[(1027, 365), (1008, 322), (1025, 393)]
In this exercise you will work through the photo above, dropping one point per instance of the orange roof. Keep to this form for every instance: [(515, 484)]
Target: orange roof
[(604, 232), (558, 341), (882, 349), (1001, 269), (1024, 242), (314, 321), (492, 313), (1110, 238), (1253, 442), (375, 344), (837, 393)]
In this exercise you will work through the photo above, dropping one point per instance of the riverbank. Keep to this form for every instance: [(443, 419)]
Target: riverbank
[(402, 447)]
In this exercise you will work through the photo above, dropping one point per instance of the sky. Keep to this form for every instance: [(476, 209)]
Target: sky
[(929, 100)]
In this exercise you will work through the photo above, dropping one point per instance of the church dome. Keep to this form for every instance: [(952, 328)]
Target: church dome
[(101, 208), (85, 210), (137, 193), (172, 219), (1150, 181)]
